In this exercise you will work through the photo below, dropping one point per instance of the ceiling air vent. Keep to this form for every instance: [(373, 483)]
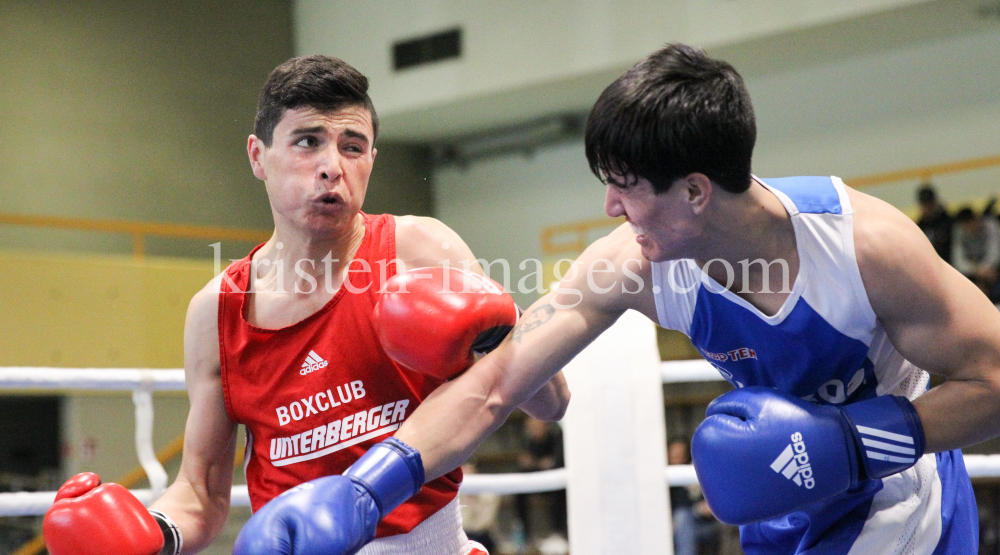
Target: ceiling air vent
[(427, 49)]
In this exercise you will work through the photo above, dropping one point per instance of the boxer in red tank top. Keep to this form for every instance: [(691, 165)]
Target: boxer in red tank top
[(282, 341), (317, 394)]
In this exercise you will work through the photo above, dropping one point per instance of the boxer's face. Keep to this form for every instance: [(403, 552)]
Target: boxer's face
[(317, 168), (664, 225)]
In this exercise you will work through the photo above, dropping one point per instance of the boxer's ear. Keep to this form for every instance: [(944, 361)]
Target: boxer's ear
[(255, 151), (698, 189)]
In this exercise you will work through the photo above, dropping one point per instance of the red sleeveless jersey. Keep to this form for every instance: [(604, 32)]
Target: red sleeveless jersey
[(314, 396)]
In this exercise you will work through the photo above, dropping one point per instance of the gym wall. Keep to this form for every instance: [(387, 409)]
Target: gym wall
[(135, 110), (928, 102), (847, 88)]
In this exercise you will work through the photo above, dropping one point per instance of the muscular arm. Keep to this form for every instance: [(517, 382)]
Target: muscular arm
[(936, 319), (198, 501), (458, 416), (422, 242)]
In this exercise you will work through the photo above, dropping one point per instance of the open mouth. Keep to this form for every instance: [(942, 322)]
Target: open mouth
[(329, 199)]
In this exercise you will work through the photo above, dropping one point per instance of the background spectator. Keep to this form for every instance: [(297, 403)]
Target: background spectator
[(479, 513), (976, 249), (935, 221), (695, 528), (543, 514)]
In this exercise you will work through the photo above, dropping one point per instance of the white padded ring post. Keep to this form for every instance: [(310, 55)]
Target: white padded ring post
[(615, 444)]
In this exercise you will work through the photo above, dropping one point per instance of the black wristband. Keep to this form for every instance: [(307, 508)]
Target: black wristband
[(172, 541), (490, 339)]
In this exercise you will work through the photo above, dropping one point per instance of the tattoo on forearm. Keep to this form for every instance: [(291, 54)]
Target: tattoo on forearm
[(533, 320)]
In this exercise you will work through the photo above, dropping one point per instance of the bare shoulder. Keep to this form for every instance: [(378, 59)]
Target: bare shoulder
[(611, 275), (422, 241), (419, 228), (620, 245), (204, 305), (201, 332), (884, 237), (893, 254), (874, 217), (621, 250)]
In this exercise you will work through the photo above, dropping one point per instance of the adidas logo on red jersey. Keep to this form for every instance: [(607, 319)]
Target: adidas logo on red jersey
[(313, 363)]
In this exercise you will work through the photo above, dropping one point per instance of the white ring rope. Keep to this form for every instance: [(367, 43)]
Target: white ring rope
[(36, 503), (143, 382), (515, 482), (679, 371), (103, 379)]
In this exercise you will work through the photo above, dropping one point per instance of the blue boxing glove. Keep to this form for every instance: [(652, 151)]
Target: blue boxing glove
[(761, 453), (335, 515)]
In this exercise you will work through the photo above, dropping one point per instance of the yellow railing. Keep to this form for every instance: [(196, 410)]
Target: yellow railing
[(138, 230), (925, 173), (571, 238)]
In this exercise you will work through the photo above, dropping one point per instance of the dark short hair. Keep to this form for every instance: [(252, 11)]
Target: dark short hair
[(324, 83), (676, 112), (966, 214), (926, 194)]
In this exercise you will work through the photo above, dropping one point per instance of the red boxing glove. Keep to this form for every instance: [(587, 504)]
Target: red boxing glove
[(88, 518), (432, 320)]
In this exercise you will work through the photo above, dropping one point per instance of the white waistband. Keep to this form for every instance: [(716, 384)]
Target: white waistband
[(440, 534)]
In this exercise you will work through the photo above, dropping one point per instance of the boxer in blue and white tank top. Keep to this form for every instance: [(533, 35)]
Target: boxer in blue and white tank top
[(824, 345), (830, 442)]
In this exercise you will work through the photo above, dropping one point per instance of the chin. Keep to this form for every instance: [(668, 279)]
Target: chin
[(654, 254), (328, 223)]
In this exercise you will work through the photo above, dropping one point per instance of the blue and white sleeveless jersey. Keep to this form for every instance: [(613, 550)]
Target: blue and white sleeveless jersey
[(825, 345)]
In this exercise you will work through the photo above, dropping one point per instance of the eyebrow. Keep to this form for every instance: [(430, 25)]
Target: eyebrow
[(621, 183), (318, 129), (356, 135), (308, 130)]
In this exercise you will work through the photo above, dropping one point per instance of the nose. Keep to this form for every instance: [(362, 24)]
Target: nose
[(328, 166), (612, 202)]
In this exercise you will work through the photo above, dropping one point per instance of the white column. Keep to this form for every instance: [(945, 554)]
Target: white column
[(615, 445)]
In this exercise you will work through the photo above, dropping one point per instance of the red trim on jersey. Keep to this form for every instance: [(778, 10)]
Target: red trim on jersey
[(317, 394)]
